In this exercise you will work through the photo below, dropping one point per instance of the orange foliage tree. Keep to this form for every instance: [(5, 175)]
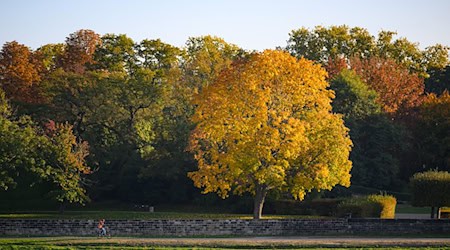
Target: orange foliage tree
[(19, 72), (266, 124), (397, 87), (79, 51)]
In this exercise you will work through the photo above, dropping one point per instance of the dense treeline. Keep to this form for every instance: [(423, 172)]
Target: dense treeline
[(110, 117)]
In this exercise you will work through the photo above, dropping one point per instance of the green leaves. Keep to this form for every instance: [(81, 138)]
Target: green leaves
[(324, 43)]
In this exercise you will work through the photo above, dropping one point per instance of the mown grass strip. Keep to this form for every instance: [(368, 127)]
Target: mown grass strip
[(187, 243), (132, 215)]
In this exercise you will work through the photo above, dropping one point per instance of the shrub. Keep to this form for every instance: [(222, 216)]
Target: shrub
[(321, 207), (387, 204), (379, 206), (431, 188)]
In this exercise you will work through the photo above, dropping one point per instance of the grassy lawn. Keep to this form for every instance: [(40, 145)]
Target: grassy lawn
[(111, 215), (408, 209), (213, 243)]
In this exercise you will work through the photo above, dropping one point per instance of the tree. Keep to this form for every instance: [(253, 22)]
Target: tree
[(334, 66), (206, 57), (377, 140), (436, 57), (354, 99), (398, 89), (19, 73), (432, 131), (55, 156), (79, 51), (322, 44), (116, 53), (439, 81), (430, 189), (266, 124), (16, 145), (65, 164), (157, 55), (50, 54)]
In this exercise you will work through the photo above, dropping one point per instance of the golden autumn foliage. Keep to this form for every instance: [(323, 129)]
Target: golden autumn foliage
[(266, 123), (19, 72)]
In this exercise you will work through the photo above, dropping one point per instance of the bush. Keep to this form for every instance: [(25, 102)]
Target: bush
[(431, 189), (379, 206), (321, 207), (387, 203)]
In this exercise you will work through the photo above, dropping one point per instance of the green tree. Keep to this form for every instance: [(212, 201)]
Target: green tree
[(377, 140), (206, 57), (432, 131), (116, 53), (16, 145), (354, 99), (439, 81), (282, 138), (322, 44), (55, 156), (65, 164), (50, 54)]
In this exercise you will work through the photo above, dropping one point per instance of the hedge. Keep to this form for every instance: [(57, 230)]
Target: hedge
[(431, 188), (320, 207), (373, 206)]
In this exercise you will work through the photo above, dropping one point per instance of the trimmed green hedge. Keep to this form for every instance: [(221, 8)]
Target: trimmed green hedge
[(431, 188), (373, 206), (319, 207)]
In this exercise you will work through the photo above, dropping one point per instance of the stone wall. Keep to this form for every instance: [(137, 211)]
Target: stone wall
[(49, 227)]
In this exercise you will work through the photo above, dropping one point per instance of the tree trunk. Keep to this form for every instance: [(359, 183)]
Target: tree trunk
[(432, 213), (260, 196)]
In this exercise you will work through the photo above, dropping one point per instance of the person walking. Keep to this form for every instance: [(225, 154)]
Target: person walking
[(101, 228)]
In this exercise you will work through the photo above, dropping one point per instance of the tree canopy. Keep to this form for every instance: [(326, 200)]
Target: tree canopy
[(283, 137), (112, 118)]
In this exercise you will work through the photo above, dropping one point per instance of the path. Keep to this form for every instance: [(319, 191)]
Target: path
[(412, 216)]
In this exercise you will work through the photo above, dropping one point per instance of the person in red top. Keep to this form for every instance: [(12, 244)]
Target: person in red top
[(101, 228)]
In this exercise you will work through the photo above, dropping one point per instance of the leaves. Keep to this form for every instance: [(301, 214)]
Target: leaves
[(56, 156), (19, 73), (397, 88), (279, 138)]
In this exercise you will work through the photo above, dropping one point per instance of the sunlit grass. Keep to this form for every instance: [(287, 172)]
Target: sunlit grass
[(138, 215)]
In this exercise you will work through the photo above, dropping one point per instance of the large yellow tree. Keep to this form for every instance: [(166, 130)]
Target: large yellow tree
[(266, 124)]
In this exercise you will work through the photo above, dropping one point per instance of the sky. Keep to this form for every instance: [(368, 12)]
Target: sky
[(250, 24)]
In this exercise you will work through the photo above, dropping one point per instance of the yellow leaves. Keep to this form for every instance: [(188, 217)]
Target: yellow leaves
[(267, 121)]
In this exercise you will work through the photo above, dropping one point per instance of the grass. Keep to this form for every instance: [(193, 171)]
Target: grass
[(133, 215), (139, 215), (408, 209), (214, 243)]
